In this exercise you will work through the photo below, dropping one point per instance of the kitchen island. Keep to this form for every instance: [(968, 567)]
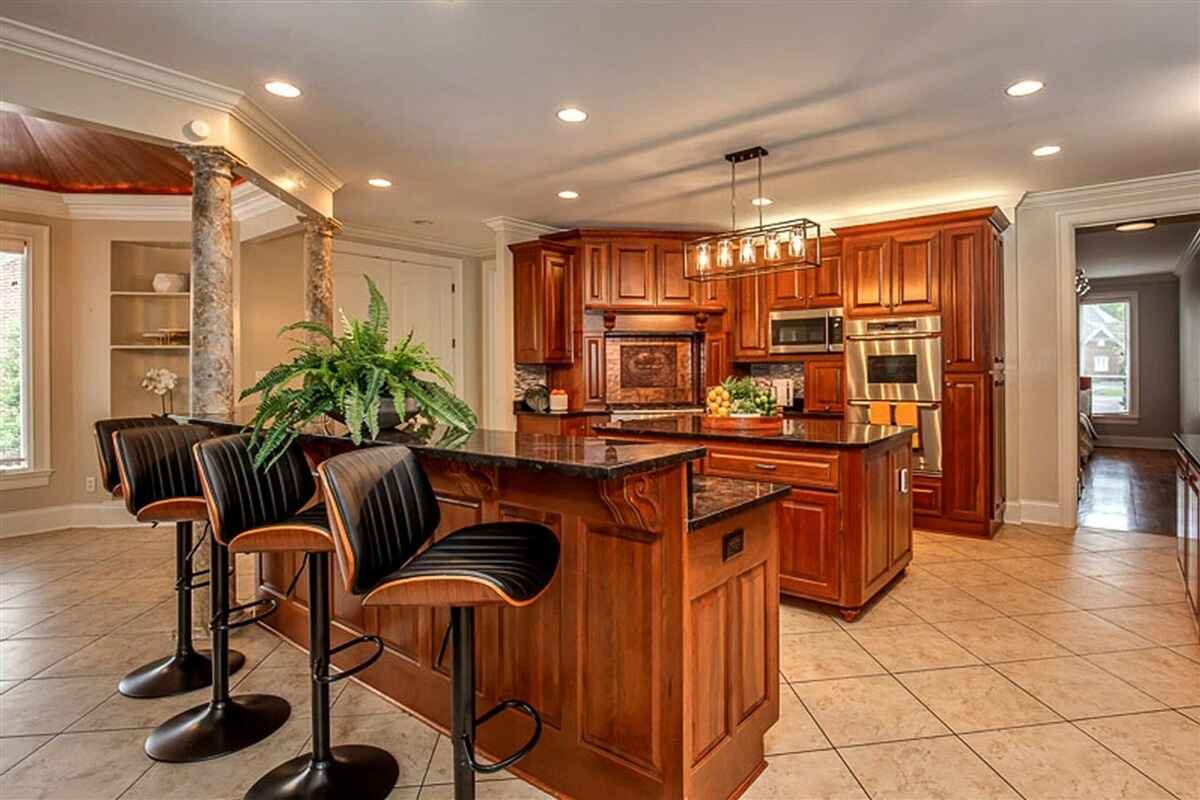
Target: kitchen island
[(845, 528), (653, 655)]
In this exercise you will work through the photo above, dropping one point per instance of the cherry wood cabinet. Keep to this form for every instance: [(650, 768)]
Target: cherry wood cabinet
[(633, 274), (595, 277), (671, 287), (1187, 524), (824, 385), (571, 425), (809, 565), (825, 282), (717, 364), (964, 320), (867, 263), (897, 273), (542, 290), (751, 331), (965, 436)]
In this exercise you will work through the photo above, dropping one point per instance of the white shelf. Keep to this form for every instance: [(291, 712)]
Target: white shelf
[(150, 294), (150, 347)]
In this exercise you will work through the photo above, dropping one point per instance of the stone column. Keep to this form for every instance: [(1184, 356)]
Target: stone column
[(211, 385), (318, 268)]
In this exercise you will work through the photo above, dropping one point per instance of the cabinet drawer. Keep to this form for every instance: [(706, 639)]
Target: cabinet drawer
[(926, 495), (818, 470)]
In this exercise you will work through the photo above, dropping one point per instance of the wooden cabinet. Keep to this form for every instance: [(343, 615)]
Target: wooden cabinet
[(572, 425), (632, 274), (751, 332), (824, 386), (825, 282), (672, 288), (966, 447), (788, 289), (898, 273), (964, 320), (542, 283), (1187, 498), (867, 263), (809, 564), (717, 365), (595, 278)]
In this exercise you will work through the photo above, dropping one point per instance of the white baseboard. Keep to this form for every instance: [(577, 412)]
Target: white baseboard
[(1137, 442), (1039, 512), (1012, 512), (51, 518)]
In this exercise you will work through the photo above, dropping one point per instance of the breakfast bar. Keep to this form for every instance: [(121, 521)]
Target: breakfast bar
[(652, 657)]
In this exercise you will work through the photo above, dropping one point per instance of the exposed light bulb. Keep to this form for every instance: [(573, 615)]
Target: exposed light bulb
[(725, 253), (771, 248), (746, 252), (702, 257), (796, 243)]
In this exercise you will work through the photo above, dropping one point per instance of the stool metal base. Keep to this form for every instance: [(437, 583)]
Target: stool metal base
[(217, 729), (174, 674), (358, 771)]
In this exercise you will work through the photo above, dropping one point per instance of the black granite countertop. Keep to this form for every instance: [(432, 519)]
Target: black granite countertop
[(528, 412), (581, 458), (714, 499), (796, 432), (1190, 442)]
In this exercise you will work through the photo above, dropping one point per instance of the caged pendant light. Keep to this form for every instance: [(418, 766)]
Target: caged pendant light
[(792, 244)]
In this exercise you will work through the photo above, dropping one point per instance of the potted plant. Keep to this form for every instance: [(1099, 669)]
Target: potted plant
[(161, 382), (355, 378)]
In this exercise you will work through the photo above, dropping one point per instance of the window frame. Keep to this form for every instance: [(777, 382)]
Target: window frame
[(36, 342), (1131, 414)]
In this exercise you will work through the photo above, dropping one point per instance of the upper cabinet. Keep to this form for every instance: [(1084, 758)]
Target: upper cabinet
[(673, 289), (810, 288), (867, 264), (751, 335), (542, 281), (896, 273), (594, 273), (633, 273)]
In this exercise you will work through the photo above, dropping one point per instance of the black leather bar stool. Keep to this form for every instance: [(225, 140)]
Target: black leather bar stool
[(267, 511), (383, 511), (225, 724), (153, 471)]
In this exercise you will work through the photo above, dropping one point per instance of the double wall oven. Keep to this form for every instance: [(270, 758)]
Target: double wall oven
[(894, 374)]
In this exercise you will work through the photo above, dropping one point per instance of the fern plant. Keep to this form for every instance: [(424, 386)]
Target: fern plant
[(347, 377)]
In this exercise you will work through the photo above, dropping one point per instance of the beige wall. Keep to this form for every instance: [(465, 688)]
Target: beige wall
[(1157, 355), (1189, 349), (271, 295)]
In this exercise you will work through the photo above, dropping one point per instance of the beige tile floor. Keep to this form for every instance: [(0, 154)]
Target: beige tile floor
[(1042, 664)]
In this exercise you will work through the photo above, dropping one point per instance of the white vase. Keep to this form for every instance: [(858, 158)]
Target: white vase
[(170, 282)]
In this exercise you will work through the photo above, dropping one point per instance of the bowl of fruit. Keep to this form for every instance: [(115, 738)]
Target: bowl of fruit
[(742, 404)]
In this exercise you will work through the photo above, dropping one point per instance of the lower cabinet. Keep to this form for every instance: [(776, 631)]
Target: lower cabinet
[(824, 386), (809, 561), (558, 424), (1187, 496)]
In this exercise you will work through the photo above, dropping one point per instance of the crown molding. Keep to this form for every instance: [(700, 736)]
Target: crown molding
[(520, 226), (85, 57), (249, 202), (1176, 183), (1004, 201), (389, 238), (1190, 254), (32, 201)]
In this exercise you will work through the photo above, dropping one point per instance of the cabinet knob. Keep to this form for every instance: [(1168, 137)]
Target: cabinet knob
[(949, 361)]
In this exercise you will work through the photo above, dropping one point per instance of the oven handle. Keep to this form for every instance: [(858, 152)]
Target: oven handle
[(874, 337), (917, 403)]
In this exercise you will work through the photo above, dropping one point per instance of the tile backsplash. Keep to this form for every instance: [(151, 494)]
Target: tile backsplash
[(525, 377), (795, 371)]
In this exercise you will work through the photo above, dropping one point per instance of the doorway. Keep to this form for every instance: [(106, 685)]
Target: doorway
[(1128, 345)]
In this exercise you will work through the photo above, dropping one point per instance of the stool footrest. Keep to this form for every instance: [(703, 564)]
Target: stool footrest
[(519, 753), (319, 670), (222, 622)]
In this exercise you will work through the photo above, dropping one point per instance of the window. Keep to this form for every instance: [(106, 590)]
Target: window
[(1108, 353), (24, 355)]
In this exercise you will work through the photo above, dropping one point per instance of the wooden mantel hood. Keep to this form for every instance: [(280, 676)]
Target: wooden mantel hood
[(991, 213)]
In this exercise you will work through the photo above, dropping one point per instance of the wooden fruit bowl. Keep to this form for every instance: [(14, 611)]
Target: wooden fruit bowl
[(772, 425)]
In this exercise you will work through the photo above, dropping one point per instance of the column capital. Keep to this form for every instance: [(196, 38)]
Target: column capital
[(319, 226), (210, 159)]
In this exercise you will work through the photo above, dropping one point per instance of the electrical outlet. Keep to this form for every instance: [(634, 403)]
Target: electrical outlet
[(91, 484)]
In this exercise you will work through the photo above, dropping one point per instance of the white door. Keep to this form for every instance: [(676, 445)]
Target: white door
[(350, 294)]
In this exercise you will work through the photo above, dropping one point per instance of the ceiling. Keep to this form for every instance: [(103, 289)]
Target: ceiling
[(1106, 253), (864, 108), (55, 157)]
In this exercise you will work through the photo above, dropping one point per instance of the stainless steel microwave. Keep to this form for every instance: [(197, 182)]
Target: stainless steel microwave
[(817, 330)]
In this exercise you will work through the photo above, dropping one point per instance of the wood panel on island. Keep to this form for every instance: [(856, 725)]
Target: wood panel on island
[(1187, 521)]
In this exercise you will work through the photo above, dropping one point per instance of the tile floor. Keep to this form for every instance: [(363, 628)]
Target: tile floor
[(1041, 664)]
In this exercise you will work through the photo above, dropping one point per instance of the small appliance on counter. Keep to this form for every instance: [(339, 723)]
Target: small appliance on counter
[(785, 392), (558, 401)]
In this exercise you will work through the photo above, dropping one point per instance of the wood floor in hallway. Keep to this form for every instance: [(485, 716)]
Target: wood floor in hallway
[(1129, 490)]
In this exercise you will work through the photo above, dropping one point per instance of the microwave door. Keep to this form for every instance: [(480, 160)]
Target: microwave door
[(807, 334)]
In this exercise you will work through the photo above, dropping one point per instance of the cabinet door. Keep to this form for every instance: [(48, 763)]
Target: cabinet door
[(716, 359), (593, 369), (595, 274), (556, 291), (868, 264), (809, 544), (750, 325), (789, 289), (825, 282), (715, 295), (999, 450), (673, 288), (916, 272), (902, 507), (965, 458), (632, 274), (528, 329), (964, 276), (995, 306), (823, 390)]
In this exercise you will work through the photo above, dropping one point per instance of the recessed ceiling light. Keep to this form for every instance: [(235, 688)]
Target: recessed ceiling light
[(1141, 225), (1047, 150), (379, 183), (568, 194), (1024, 88), (761, 201), (572, 114), (282, 88)]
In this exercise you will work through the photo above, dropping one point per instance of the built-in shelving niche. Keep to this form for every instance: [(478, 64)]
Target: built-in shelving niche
[(135, 308)]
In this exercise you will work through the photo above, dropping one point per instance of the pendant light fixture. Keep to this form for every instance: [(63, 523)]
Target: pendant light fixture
[(792, 244)]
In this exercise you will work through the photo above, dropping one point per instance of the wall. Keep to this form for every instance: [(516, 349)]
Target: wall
[(271, 286), (1157, 358), (1189, 350)]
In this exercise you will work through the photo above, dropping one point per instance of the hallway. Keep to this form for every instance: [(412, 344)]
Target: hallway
[(1129, 490)]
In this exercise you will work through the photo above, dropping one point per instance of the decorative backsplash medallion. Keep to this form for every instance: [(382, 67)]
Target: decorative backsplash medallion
[(650, 370)]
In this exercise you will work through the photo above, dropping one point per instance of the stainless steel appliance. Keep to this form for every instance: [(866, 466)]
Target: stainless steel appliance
[(816, 330), (894, 371)]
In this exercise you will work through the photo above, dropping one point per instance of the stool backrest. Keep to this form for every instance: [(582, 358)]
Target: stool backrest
[(241, 497), (382, 510), (156, 463), (104, 429)]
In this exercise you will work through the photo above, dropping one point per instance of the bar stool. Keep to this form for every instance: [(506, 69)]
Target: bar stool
[(264, 511), (156, 494), (383, 511), (225, 724)]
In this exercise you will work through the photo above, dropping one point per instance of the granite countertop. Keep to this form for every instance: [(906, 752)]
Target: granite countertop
[(581, 458), (1190, 442), (714, 499), (796, 432), (528, 412)]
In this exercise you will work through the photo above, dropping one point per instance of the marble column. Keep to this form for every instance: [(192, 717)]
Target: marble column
[(211, 383), (318, 268)]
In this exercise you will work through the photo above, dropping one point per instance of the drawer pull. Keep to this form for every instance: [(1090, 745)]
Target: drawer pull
[(767, 467)]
